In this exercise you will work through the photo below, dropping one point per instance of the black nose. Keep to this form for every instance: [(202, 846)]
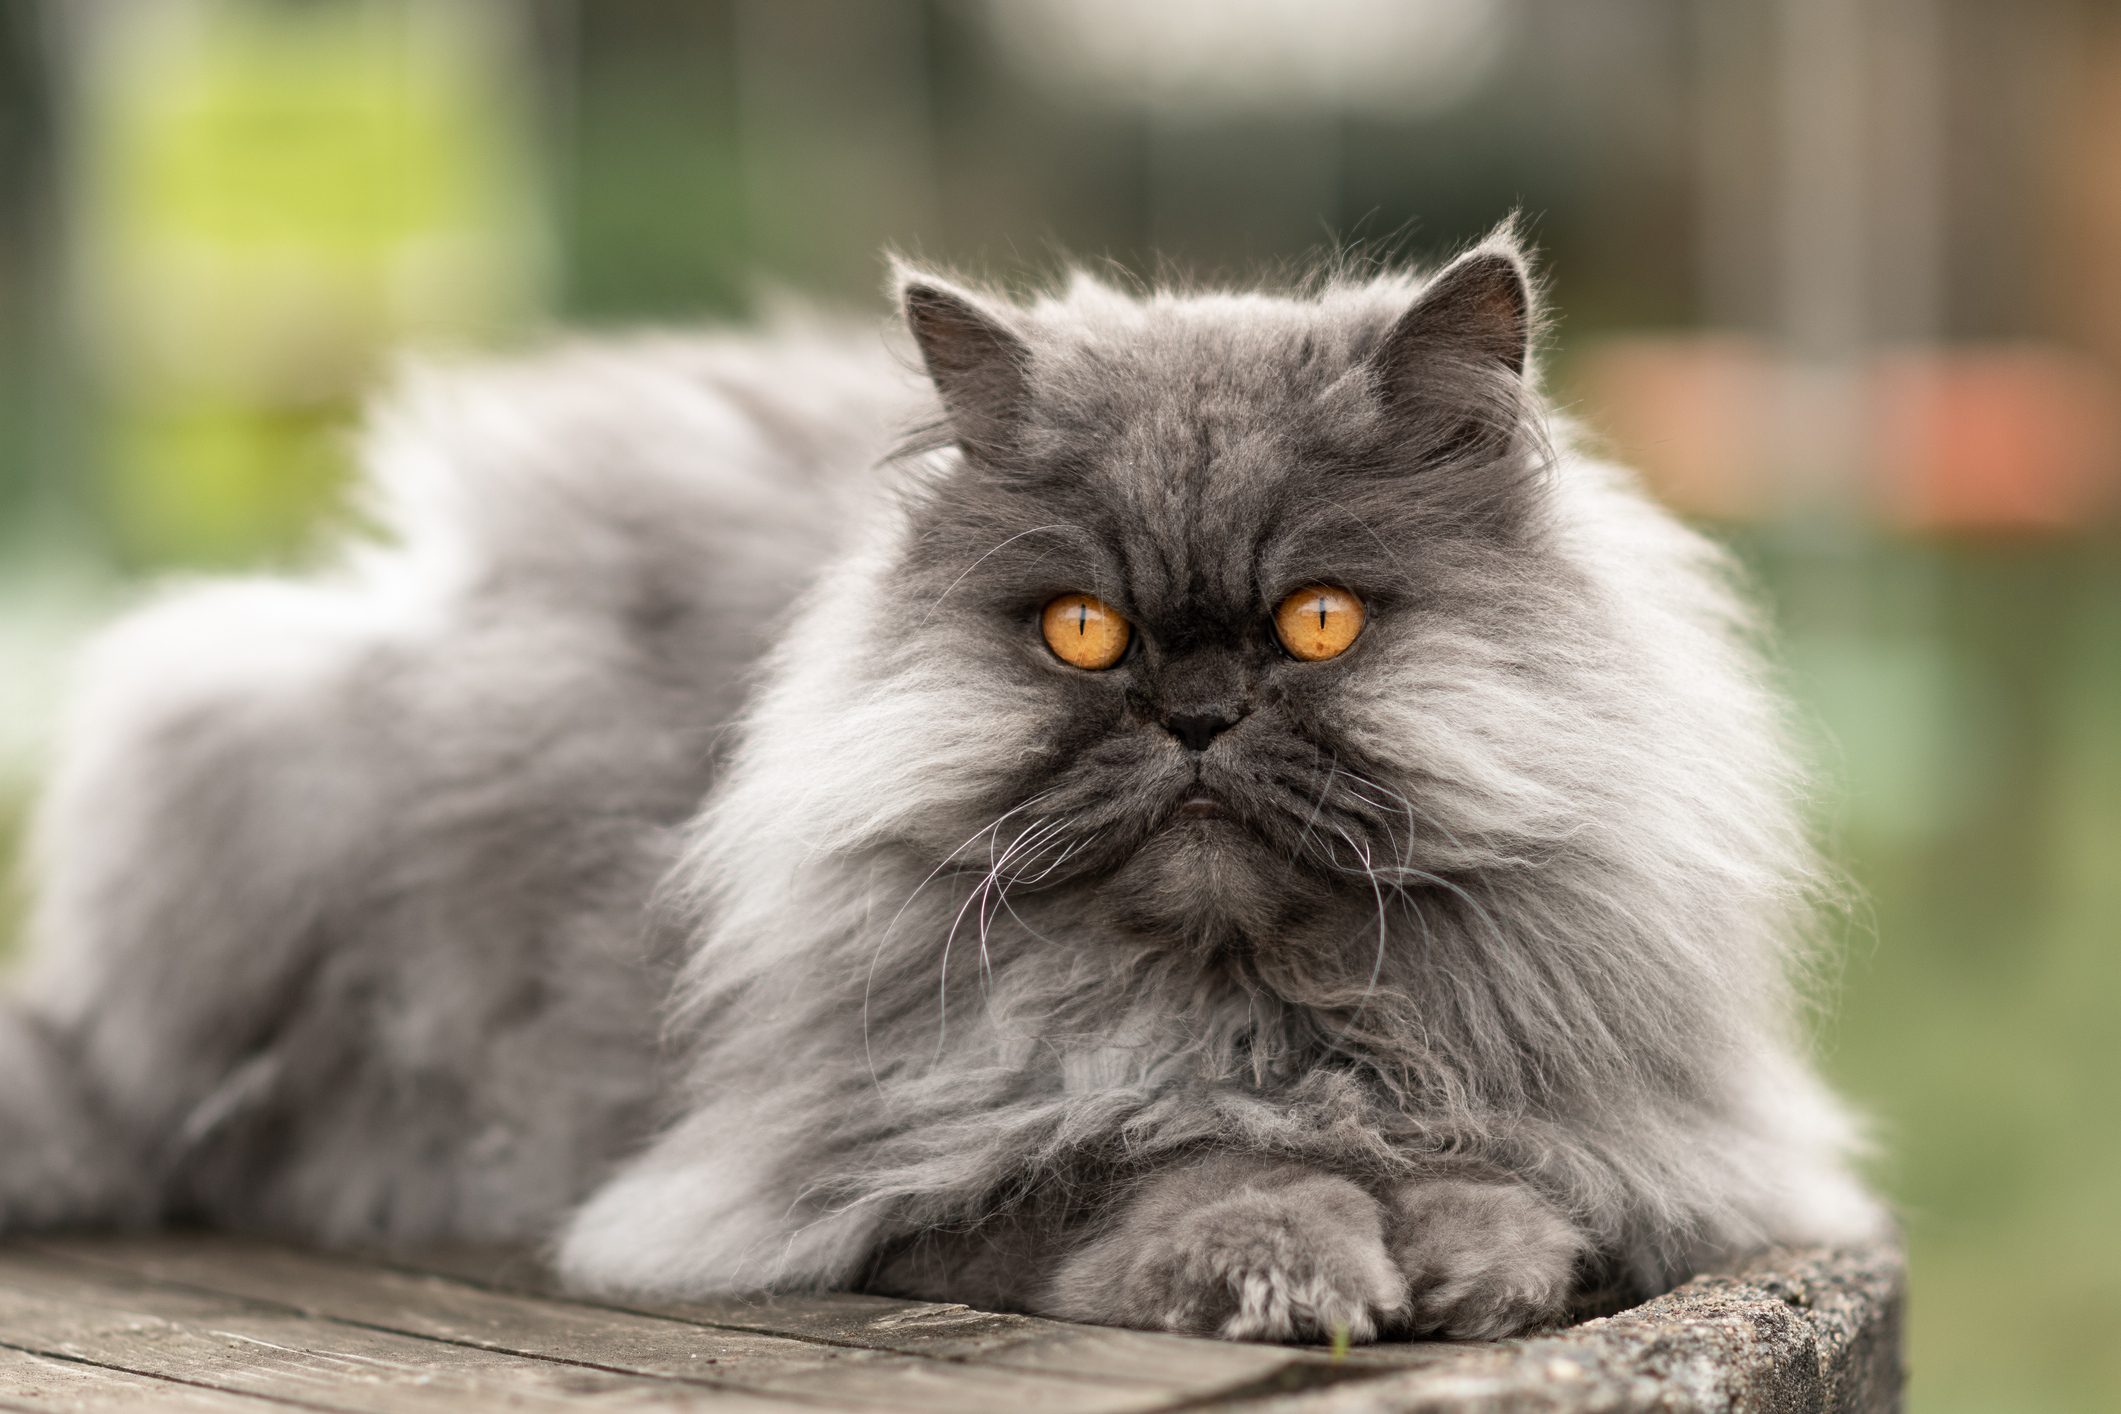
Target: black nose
[(1197, 729)]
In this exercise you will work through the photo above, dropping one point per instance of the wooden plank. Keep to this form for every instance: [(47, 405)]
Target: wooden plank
[(1194, 1367), (441, 1308), (843, 1350), (1199, 1367), (29, 1381), (446, 1309), (50, 1307), (225, 1327)]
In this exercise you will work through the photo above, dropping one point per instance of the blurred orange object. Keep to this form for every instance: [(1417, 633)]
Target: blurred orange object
[(1952, 439), (2005, 439), (1692, 414)]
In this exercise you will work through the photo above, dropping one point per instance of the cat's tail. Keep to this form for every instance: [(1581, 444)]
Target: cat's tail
[(62, 1163)]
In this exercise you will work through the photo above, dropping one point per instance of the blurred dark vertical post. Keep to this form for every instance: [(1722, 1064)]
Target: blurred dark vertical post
[(40, 508), (834, 115)]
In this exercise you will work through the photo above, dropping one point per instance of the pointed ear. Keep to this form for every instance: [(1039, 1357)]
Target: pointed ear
[(975, 358), (1476, 311), (1450, 371)]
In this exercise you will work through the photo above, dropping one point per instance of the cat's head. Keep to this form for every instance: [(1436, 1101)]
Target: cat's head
[(1065, 719), (1226, 558)]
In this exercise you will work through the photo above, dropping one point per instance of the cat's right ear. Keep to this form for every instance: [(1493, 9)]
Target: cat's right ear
[(978, 362)]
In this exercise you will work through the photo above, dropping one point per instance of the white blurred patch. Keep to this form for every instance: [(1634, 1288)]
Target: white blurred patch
[(1400, 57), (45, 610)]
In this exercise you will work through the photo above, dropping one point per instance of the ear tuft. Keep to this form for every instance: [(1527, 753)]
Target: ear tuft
[(974, 356)]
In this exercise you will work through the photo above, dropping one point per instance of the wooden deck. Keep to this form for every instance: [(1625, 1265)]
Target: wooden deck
[(221, 1324)]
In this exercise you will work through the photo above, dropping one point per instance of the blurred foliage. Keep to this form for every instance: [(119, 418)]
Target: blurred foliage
[(269, 199), (1967, 722), (258, 210)]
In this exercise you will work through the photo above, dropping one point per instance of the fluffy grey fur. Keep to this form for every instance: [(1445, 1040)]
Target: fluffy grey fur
[(364, 897)]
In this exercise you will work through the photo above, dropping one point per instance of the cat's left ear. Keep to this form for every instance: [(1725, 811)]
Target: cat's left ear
[(974, 355), (1455, 362), (1477, 309)]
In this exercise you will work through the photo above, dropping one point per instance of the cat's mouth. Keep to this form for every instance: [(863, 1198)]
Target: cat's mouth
[(1200, 805)]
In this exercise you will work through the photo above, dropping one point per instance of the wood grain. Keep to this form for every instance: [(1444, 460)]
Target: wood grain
[(43, 1382), (228, 1325), (843, 1351)]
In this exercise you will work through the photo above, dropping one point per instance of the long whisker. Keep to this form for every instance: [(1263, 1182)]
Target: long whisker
[(1391, 836), (1413, 813), (1055, 857), (994, 889), (968, 569), (1378, 962), (1045, 872), (1332, 770), (1392, 875), (876, 953), (978, 894)]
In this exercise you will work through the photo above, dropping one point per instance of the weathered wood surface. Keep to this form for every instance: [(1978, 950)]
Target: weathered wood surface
[(186, 1322)]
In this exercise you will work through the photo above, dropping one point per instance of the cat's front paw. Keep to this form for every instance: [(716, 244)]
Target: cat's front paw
[(1483, 1259), (1278, 1259)]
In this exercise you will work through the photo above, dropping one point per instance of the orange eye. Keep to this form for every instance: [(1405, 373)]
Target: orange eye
[(1085, 632), (1318, 622)]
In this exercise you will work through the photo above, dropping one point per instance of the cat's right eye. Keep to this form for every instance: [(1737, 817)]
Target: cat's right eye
[(1085, 632)]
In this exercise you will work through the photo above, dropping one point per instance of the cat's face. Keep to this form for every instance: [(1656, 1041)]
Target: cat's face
[(1213, 540)]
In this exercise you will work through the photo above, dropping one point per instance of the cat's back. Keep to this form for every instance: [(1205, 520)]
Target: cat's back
[(347, 871), (584, 551), (653, 476)]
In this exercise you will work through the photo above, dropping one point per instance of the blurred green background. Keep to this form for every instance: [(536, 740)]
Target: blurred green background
[(1839, 277)]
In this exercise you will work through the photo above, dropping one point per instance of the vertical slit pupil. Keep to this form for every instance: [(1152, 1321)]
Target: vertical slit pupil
[(1082, 620), (1321, 613)]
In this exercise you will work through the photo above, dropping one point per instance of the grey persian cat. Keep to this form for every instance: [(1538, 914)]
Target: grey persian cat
[(1235, 827)]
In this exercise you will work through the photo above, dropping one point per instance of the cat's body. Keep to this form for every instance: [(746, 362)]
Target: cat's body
[(343, 882), (371, 910)]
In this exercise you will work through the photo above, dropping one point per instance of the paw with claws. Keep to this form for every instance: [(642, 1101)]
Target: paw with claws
[(1271, 1252), (1483, 1259), (1257, 1249)]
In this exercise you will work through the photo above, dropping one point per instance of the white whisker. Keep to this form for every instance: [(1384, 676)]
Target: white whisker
[(876, 953)]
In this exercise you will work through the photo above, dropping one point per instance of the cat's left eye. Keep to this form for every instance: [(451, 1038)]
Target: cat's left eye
[(1318, 622)]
